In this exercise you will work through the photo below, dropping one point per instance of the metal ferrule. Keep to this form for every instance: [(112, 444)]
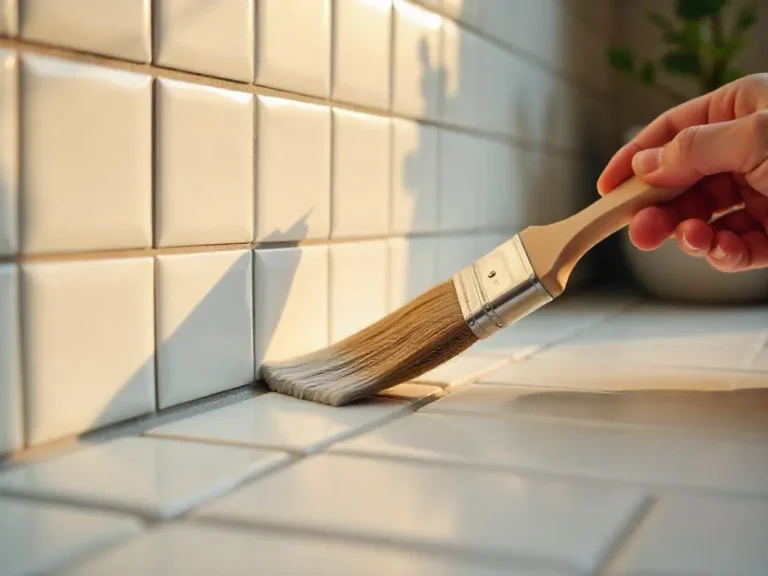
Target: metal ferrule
[(499, 289)]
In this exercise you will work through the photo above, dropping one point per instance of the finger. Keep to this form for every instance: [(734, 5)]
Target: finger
[(739, 222), (695, 237), (739, 146), (652, 226), (657, 133), (729, 252), (756, 204), (757, 249)]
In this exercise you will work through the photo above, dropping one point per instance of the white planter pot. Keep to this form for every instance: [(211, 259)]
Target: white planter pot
[(668, 273)]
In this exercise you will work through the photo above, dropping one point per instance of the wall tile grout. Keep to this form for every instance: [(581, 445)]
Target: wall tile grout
[(159, 72)]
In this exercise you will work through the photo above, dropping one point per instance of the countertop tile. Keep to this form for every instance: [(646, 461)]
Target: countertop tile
[(628, 454), (280, 421), (192, 550), (461, 369), (152, 476), (500, 515), (698, 535), (36, 537)]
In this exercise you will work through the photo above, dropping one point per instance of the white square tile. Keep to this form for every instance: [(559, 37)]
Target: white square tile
[(121, 29), (414, 177), (36, 538), (9, 153), (460, 178), (611, 375), (293, 46), (499, 101), (102, 117), (503, 515), (467, 11), (698, 535), (416, 394), (417, 77), (412, 268), (88, 344), (454, 253), (11, 416), (278, 421), (669, 335), (503, 204), (212, 38), (204, 324), (293, 172), (638, 455), (9, 17), (183, 549), (290, 302), (151, 476), (461, 369), (362, 48), (360, 193), (205, 165), (462, 97), (359, 273)]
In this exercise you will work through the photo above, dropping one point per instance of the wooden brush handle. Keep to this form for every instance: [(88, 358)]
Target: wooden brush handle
[(555, 249)]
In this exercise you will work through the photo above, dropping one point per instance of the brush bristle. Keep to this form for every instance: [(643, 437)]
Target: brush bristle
[(407, 343)]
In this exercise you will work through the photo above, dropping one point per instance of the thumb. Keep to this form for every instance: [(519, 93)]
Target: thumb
[(739, 146)]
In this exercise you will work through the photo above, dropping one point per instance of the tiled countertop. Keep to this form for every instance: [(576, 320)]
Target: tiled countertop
[(601, 435)]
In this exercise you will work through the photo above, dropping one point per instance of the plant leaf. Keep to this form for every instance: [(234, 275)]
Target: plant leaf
[(691, 10), (747, 17), (681, 63), (732, 74), (621, 59), (648, 74)]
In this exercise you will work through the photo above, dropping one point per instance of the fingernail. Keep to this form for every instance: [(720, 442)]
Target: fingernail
[(718, 253), (688, 245), (646, 161)]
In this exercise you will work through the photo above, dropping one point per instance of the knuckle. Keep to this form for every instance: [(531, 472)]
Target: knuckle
[(758, 130), (684, 144)]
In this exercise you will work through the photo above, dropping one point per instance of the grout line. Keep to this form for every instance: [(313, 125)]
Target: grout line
[(204, 248), (624, 536), (160, 72)]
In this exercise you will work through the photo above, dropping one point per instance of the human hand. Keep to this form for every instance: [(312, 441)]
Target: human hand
[(715, 145)]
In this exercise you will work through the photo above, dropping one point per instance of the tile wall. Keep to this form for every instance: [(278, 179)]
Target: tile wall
[(188, 188)]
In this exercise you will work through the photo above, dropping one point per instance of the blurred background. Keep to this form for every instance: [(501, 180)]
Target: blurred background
[(189, 187)]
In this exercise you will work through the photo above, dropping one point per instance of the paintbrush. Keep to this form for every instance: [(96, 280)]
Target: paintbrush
[(521, 275)]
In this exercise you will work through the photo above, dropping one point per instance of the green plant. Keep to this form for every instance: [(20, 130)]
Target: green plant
[(699, 47)]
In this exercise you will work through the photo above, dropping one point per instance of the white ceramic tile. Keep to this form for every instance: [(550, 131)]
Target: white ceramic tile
[(460, 179), (414, 177), (698, 535), (458, 509), (485, 243), (153, 476), (360, 193), (121, 29), (499, 102), (290, 302), (88, 344), (293, 45), (454, 252), (468, 11), (416, 394), (293, 171), (362, 52), (417, 76), (461, 369), (412, 268), (11, 417), (36, 538), (638, 455), (212, 38), (275, 420), (204, 151), (9, 157), (204, 324), (9, 17), (611, 375), (461, 60), (722, 413), (102, 117), (185, 549), (503, 204), (696, 337), (359, 276)]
